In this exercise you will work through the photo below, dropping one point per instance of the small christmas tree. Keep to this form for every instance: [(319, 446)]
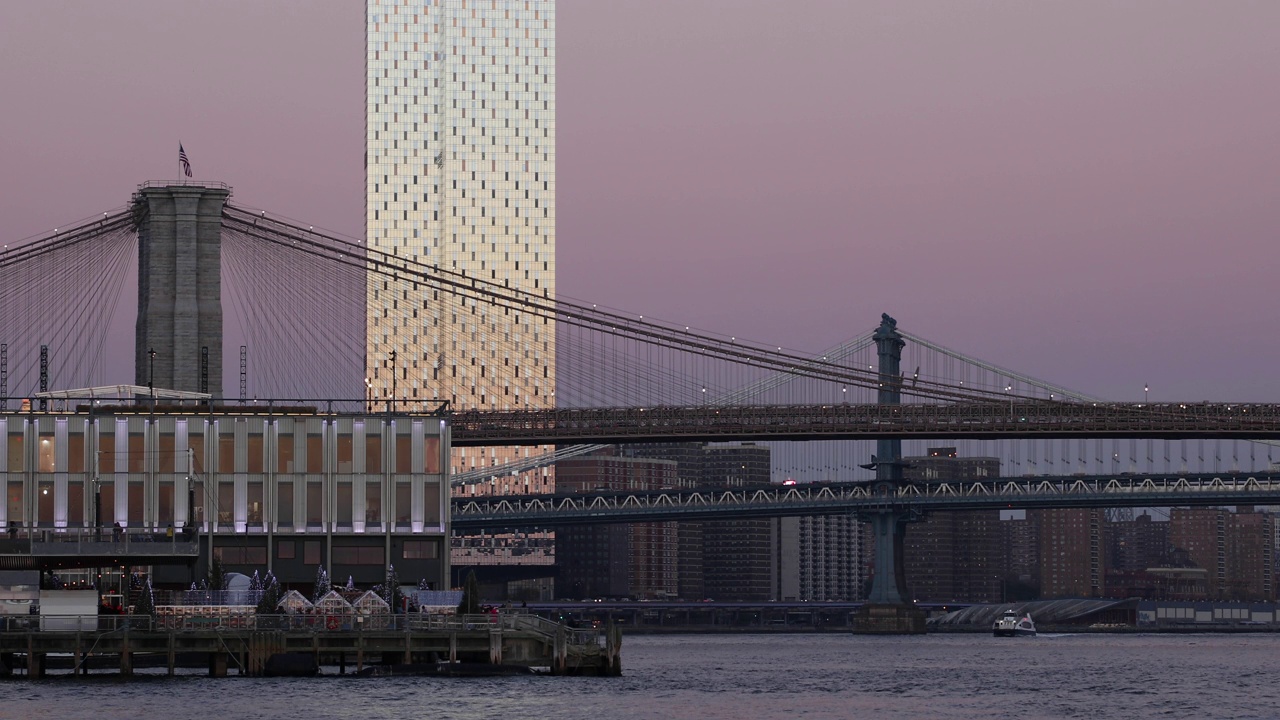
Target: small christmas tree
[(351, 584), (391, 589), (271, 594), (322, 585), (146, 601)]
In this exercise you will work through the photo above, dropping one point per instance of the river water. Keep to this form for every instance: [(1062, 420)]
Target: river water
[(747, 677)]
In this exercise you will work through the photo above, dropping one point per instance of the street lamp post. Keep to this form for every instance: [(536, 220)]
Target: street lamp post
[(391, 400), (1146, 393), (151, 377)]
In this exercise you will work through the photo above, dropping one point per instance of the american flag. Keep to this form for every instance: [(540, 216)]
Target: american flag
[(182, 159)]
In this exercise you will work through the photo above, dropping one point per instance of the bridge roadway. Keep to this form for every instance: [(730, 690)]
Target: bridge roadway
[(1076, 491), (952, 421)]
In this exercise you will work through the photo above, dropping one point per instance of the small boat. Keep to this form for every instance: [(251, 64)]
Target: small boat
[(1010, 625)]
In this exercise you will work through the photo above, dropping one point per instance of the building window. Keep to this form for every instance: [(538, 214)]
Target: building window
[(287, 550), (358, 556), (421, 550), (315, 503), (311, 552), (241, 555)]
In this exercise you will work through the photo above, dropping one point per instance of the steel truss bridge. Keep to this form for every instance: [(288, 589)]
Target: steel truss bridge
[(981, 421), (1087, 491)]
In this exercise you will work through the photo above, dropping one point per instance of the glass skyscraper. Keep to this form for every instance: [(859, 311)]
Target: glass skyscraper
[(460, 173)]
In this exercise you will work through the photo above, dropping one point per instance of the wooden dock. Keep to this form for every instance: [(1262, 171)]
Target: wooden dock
[(247, 645)]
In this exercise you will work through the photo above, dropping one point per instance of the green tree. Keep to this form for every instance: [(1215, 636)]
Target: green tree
[(217, 575), (271, 595), (470, 604)]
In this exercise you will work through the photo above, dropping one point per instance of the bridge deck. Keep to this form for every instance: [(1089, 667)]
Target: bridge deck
[(1039, 419), (1096, 491)]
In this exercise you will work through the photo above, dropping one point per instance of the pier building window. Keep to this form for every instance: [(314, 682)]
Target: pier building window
[(255, 502), (358, 555), (106, 453), (197, 501), (404, 505), (311, 552), (284, 453), (373, 502), (251, 555), (13, 498), (75, 453), (44, 463), (286, 550), (431, 455), (136, 506), (137, 453), (256, 450), (404, 453), (315, 453), (284, 504), (431, 503), (226, 453), (373, 454), (15, 455), (421, 550), (226, 503), (44, 504), (164, 503), (195, 441), (345, 453), (168, 454), (106, 503), (315, 504), (344, 502), (75, 503)]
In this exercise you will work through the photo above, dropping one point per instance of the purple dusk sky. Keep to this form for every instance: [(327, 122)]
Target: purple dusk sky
[(1088, 192)]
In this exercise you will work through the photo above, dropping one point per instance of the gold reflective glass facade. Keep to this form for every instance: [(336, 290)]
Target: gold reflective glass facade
[(461, 174)]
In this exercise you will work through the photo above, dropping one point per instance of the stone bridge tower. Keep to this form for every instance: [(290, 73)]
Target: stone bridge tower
[(178, 343)]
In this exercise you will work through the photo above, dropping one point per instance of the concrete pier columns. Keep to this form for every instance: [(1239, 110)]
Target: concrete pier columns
[(495, 647)]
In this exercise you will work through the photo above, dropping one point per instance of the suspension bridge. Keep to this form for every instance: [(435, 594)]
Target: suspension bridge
[(295, 303)]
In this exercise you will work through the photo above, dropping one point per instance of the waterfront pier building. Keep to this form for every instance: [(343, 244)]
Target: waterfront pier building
[(176, 482)]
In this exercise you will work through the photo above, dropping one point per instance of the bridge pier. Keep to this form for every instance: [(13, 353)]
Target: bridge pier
[(218, 664), (887, 609), (35, 665)]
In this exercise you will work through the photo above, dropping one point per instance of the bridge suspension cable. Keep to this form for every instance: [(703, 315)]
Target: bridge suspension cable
[(59, 294), (422, 276)]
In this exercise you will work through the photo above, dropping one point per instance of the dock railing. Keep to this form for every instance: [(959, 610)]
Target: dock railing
[(86, 623), (242, 618)]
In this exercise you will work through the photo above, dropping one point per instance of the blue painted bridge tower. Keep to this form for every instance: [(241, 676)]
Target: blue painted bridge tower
[(886, 609)]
